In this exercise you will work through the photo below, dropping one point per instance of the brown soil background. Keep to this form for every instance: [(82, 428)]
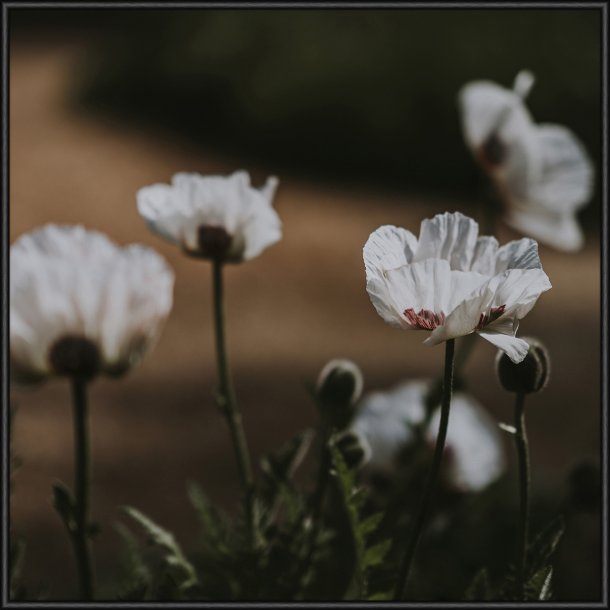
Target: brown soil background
[(289, 311)]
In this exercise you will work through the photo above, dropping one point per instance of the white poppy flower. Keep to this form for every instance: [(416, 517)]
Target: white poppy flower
[(214, 217), (79, 304), (388, 420), (452, 282), (542, 171)]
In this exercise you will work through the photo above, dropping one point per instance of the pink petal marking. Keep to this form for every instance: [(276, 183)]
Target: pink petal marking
[(487, 318), (424, 319)]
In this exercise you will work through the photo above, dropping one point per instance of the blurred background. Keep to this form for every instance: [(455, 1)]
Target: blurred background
[(355, 111)]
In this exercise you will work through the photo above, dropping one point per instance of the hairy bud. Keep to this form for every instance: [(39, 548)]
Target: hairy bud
[(528, 376), (338, 388), (354, 448)]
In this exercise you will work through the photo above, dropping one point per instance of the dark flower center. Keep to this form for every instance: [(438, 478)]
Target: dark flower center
[(487, 318), (424, 319), (214, 242), (75, 356), (493, 151)]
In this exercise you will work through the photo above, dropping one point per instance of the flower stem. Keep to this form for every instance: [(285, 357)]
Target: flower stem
[(524, 486), (424, 507), (226, 398), (80, 536)]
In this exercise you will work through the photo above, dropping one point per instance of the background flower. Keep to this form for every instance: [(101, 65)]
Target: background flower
[(72, 287), (213, 217), (542, 171), (452, 282), (389, 422)]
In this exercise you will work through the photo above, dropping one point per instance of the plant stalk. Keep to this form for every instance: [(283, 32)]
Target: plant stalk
[(522, 447), (80, 535), (226, 398), (425, 505)]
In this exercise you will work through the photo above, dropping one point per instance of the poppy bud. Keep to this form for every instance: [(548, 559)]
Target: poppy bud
[(339, 387), (354, 448), (530, 375)]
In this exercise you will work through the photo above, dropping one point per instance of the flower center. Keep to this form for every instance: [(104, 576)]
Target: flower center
[(487, 318), (493, 151), (75, 357), (214, 242), (424, 319)]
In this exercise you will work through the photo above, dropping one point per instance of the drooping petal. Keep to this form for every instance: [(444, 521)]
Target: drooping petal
[(451, 237), (516, 349)]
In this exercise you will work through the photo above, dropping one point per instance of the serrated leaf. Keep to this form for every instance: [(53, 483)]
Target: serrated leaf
[(479, 589), (164, 539), (544, 545), (374, 555), (370, 524), (138, 577), (64, 505), (211, 520), (353, 499), (384, 596), (538, 586)]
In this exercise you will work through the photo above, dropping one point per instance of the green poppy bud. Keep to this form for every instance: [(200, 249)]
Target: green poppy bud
[(530, 375), (338, 389)]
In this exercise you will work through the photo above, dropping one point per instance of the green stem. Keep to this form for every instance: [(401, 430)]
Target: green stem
[(524, 487), (226, 398), (80, 536), (424, 507)]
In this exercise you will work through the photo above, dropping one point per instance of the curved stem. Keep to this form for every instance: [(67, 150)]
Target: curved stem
[(524, 486), (226, 398), (80, 537), (424, 507)]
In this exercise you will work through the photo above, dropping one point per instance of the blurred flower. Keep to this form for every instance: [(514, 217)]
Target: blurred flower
[(389, 421), (213, 217), (452, 282), (542, 172), (79, 304)]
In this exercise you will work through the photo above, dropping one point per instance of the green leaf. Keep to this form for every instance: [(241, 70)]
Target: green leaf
[(353, 499), (384, 596), (539, 585), (64, 505), (212, 521), (374, 555), (544, 545), (174, 557), (138, 577), (479, 589)]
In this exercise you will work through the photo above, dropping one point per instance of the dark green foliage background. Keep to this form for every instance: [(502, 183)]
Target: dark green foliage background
[(367, 95)]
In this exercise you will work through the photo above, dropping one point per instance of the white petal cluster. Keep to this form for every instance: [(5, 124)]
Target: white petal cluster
[(196, 212), (388, 420), (70, 283), (542, 171), (453, 282)]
